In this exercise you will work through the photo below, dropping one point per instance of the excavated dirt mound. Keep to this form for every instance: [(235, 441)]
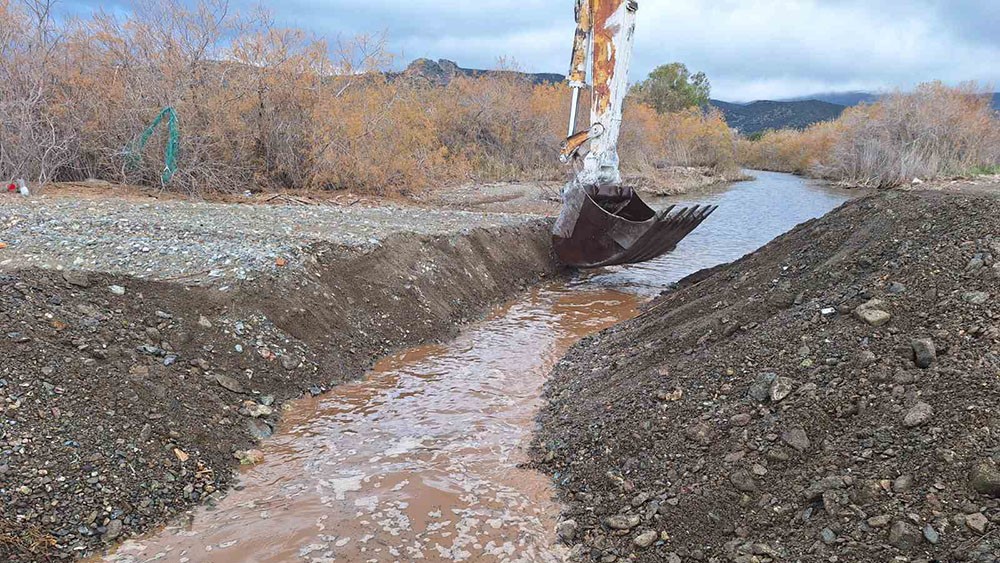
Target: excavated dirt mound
[(773, 409), (123, 401)]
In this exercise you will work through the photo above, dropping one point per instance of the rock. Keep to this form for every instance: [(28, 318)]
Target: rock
[(114, 529), (931, 535), (250, 457), (924, 352), (903, 483), (78, 279), (741, 420), (796, 438), (880, 521), (289, 362), (259, 429), (896, 288), (117, 290), (257, 411), (867, 358), (622, 522), (646, 539), (204, 322), (872, 314), (743, 481), (781, 387), (699, 432), (760, 390), (918, 415), (828, 536), (985, 478), (976, 297), (566, 530), (904, 536), (977, 522), (229, 383)]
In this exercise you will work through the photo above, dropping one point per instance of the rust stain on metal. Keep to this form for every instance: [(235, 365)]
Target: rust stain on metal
[(605, 51), (584, 21)]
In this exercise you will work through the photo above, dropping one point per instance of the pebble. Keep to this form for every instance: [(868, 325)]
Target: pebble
[(902, 484), (646, 539), (796, 438), (760, 390), (880, 521), (976, 297), (229, 383), (904, 536), (924, 352), (114, 529), (985, 478), (931, 535), (828, 536), (117, 289), (622, 522), (780, 388), (918, 415), (741, 420), (566, 530), (872, 314), (977, 522)]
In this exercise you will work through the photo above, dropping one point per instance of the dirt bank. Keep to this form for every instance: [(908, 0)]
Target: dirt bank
[(831, 397), (124, 400)]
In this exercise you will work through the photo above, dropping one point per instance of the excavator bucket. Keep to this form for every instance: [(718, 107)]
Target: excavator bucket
[(592, 233)]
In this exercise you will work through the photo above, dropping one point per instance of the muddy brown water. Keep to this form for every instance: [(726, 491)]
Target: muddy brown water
[(419, 461)]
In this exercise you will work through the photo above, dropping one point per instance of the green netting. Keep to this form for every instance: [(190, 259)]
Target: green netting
[(133, 153)]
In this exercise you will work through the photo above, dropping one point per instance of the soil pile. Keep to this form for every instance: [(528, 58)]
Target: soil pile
[(831, 397), (123, 401)]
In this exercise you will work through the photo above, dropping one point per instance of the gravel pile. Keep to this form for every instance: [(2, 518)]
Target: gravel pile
[(832, 397), (202, 242)]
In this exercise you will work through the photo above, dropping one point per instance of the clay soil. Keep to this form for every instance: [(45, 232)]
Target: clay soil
[(757, 414), (124, 400)]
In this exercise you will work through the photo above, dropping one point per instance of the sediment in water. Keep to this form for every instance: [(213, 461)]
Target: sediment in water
[(765, 411), (123, 401)]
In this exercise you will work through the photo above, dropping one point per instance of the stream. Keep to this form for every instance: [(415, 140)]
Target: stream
[(419, 461)]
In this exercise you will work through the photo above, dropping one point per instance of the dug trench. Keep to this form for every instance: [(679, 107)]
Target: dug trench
[(830, 397), (125, 401)]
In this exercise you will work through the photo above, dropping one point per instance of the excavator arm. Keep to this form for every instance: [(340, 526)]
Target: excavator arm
[(602, 221)]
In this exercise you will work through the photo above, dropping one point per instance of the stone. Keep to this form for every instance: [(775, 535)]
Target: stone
[(229, 383), (117, 290), (743, 481), (976, 297), (781, 387), (258, 411), (902, 484), (924, 352), (880, 521), (796, 438), (872, 314), (867, 358), (622, 522), (79, 279), (918, 415), (904, 536), (259, 429), (114, 529), (289, 362), (977, 522), (249, 457), (896, 288), (931, 535), (646, 539), (699, 432), (828, 536), (741, 420), (566, 530), (760, 390), (985, 478), (204, 322)]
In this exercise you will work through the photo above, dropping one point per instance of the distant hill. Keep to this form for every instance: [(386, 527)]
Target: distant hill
[(846, 99), (996, 101), (763, 115), (443, 71)]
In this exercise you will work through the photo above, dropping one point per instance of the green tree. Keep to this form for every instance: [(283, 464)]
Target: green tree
[(671, 88)]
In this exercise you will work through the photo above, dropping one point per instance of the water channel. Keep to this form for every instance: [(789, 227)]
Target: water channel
[(419, 461)]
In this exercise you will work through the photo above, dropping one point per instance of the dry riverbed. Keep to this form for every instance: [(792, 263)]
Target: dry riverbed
[(148, 345)]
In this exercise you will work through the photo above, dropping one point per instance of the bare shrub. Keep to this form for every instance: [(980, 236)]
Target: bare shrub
[(935, 131)]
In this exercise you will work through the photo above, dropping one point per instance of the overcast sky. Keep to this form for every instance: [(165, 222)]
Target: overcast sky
[(750, 49)]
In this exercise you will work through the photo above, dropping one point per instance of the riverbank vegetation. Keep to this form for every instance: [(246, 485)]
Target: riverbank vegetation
[(933, 132), (262, 107)]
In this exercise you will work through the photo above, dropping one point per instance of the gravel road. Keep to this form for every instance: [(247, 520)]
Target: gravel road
[(202, 243)]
